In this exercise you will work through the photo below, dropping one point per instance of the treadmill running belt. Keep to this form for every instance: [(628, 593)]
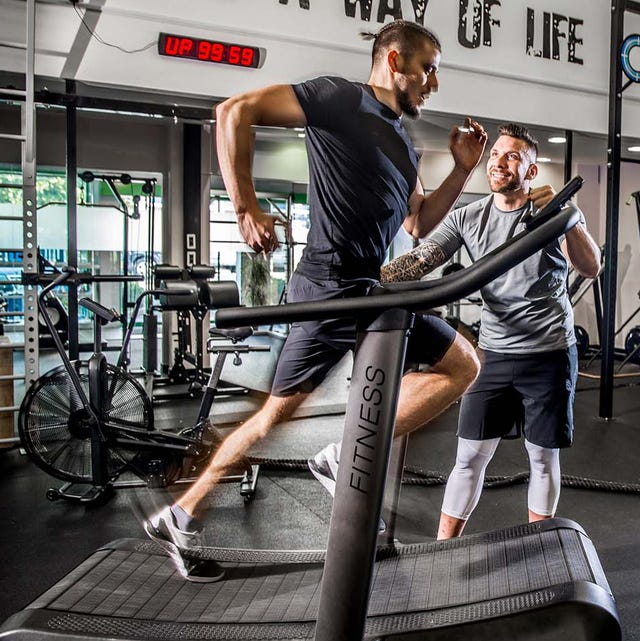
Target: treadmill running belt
[(544, 579)]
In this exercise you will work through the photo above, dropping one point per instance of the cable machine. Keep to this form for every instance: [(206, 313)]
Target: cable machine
[(148, 189)]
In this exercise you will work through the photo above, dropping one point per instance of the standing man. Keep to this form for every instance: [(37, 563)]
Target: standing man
[(527, 344), (363, 187)]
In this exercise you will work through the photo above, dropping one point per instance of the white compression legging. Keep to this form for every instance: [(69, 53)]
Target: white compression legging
[(465, 481)]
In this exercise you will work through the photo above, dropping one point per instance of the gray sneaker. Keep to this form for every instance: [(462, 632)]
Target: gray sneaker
[(162, 530), (324, 466)]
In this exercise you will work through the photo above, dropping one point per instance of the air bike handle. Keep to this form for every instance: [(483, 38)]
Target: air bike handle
[(550, 223)]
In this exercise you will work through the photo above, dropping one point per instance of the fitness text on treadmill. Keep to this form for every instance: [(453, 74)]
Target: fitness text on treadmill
[(368, 423)]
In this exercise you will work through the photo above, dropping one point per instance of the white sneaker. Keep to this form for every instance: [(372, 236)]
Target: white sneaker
[(163, 530), (324, 466)]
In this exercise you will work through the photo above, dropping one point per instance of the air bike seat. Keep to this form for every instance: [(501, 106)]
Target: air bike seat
[(541, 581)]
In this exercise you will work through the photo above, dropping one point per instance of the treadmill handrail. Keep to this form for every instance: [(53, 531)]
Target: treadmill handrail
[(549, 223), (413, 295)]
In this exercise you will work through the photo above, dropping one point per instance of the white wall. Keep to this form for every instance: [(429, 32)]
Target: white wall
[(567, 92), (592, 200), (628, 251), (283, 161)]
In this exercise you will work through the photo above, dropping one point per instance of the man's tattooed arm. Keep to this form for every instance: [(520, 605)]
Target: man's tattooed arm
[(414, 264)]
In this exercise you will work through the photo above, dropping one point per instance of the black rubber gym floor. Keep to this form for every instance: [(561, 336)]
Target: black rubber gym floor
[(41, 541)]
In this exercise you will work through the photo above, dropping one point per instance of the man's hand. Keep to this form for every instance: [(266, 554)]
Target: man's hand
[(467, 144), (541, 196), (258, 231)]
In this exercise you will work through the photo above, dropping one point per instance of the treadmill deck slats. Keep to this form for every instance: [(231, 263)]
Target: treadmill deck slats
[(129, 589)]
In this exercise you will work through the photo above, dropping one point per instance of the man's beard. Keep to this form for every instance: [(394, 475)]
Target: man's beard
[(405, 104), (506, 188)]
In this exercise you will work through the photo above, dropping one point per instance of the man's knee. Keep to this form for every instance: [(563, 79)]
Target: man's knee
[(543, 460), (460, 362), (465, 480), (544, 481), (275, 410)]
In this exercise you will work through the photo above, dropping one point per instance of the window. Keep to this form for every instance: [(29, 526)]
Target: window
[(104, 232), (231, 257)]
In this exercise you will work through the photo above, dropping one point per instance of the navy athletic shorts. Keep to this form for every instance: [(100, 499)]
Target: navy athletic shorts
[(517, 393), (312, 348)]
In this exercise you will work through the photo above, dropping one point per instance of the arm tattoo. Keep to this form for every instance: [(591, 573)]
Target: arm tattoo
[(414, 264)]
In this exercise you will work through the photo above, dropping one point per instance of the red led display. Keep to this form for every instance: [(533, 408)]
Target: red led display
[(210, 51)]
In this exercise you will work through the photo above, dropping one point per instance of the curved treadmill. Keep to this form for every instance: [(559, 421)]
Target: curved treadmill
[(539, 581)]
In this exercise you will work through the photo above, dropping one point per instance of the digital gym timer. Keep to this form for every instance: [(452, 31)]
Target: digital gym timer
[(225, 53)]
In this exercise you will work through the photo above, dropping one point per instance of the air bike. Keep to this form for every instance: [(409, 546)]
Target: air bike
[(540, 581), (90, 423)]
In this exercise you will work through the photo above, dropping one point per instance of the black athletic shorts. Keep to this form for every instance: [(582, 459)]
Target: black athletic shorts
[(517, 393), (313, 348)]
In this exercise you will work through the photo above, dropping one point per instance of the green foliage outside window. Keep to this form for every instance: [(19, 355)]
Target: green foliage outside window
[(49, 188)]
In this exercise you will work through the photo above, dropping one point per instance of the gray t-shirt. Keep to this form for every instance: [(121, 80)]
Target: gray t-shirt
[(526, 309)]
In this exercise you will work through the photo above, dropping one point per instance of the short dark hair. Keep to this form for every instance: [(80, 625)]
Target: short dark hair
[(404, 34), (521, 133)]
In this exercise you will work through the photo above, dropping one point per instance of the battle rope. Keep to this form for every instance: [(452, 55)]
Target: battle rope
[(429, 478)]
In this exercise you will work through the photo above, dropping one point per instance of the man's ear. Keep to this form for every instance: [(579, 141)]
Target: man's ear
[(394, 60), (532, 172)]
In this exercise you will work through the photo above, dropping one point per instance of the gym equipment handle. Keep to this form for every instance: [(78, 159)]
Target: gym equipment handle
[(554, 205)]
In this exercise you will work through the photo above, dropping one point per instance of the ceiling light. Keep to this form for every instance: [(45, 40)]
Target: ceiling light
[(635, 148), (301, 135), (543, 159), (557, 139)]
